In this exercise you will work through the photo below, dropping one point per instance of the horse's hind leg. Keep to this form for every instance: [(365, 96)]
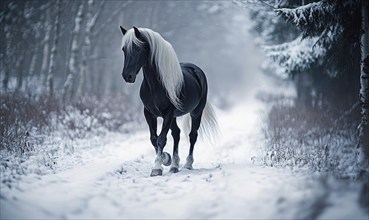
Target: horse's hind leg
[(195, 121), (176, 134)]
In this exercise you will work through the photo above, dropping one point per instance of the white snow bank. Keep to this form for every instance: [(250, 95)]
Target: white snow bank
[(111, 181)]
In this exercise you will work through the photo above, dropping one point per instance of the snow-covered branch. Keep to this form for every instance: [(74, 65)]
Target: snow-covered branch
[(311, 18), (297, 55)]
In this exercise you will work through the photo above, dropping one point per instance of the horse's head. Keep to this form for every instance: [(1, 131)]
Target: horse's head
[(136, 52)]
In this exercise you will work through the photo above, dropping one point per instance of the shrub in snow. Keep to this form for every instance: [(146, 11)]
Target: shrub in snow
[(21, 115), (297, 136), (37, 130)]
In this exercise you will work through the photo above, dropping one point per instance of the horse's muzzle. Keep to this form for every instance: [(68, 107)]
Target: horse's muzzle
[(129, 78)]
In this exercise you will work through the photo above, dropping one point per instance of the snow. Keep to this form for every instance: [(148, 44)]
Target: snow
[(108, 176)]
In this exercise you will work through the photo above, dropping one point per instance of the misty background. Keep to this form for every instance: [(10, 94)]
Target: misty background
[(213, 35), (286, 77), (61, 65)]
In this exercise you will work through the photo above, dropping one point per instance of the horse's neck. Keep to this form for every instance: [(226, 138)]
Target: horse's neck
[(151, 77)]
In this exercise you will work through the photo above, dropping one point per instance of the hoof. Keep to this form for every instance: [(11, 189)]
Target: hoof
[(174, 170), (156, 172), (188, 167), (167, 160), (189, 162)]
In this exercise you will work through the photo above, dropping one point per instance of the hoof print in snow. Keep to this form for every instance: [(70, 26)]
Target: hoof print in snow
[(156, 172), (167, 160), (174, 170)]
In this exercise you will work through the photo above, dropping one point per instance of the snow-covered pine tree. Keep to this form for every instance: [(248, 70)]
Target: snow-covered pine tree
[(327, 49), (274, 30), (330, 41), (268, 28), (333, 29)]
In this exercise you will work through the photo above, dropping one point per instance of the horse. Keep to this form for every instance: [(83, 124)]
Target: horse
[(169, 90)]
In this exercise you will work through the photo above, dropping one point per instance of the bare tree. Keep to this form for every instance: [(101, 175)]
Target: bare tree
[(6, 20), (72, 63), (50, 74), (21, 58), (363, 139), (91, 21), (46, 42)]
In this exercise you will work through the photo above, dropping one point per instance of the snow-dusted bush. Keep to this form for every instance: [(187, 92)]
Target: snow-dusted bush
[(25, 116), (22, 114), (297, 136), (37, 130), (89, 116)]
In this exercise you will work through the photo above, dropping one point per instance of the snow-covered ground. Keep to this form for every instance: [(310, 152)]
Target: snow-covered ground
[(111, 179)]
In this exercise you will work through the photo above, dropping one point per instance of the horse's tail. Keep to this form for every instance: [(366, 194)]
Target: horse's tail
[(209, 127)]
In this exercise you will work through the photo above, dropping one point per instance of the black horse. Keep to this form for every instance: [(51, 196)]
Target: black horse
[(169, 89)]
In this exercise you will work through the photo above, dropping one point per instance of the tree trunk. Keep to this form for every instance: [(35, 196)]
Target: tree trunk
[(20, 72), (32, 65), (72, 63), (19, 64), (363, 138), (7, 44), (303, 87), (45, 50), (50, 74), (86, 49)]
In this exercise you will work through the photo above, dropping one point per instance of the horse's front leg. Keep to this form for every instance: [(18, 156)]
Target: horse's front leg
[(162, 140), (153, 124)]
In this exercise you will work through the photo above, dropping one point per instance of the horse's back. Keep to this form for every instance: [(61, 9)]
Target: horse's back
[(194, 92), (191, 70)]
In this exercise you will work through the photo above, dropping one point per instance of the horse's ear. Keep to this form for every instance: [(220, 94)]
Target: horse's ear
[(124, 31), (137, 32)]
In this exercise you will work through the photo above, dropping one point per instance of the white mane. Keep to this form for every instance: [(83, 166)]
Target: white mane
[(165, 58)]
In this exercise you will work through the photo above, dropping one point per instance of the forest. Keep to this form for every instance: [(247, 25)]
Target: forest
[(289, 80)]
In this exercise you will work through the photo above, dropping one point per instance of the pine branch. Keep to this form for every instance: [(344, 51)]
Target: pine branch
[(296, 56), (311, 18)]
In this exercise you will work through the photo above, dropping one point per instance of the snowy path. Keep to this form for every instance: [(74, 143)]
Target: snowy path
[(112, 181)]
